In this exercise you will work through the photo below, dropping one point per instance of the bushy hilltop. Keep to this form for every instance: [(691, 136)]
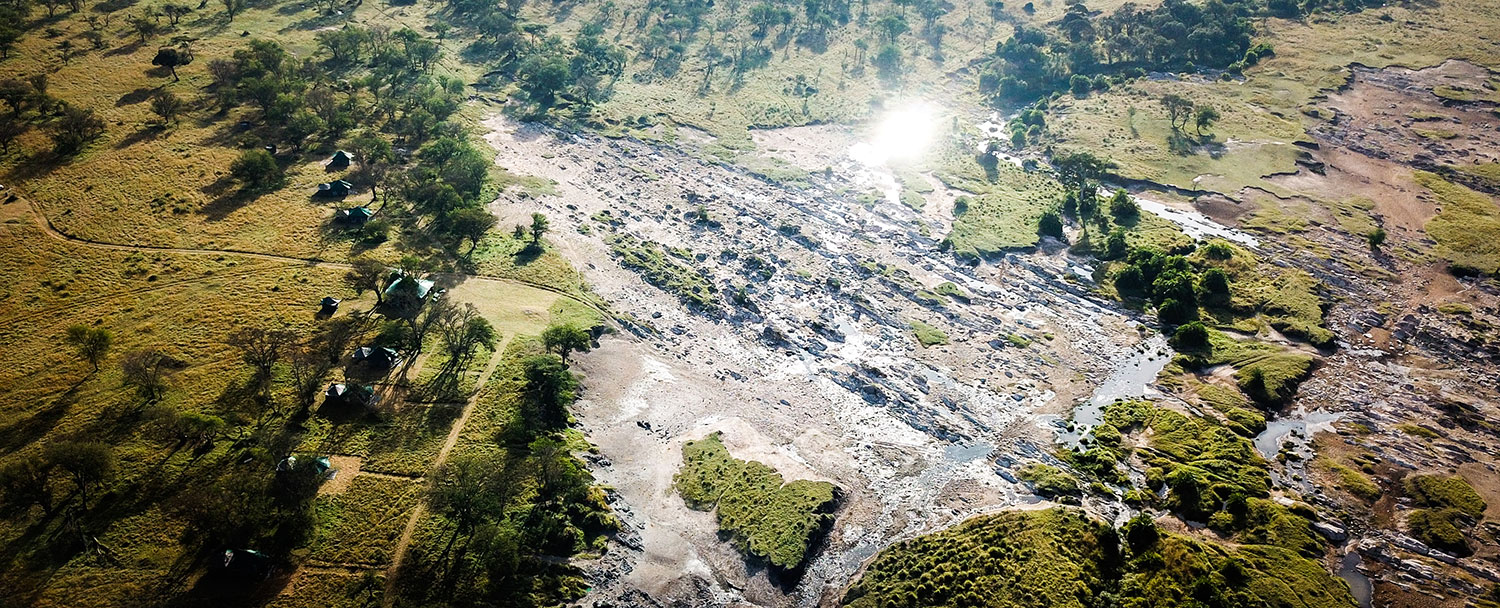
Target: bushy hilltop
[(1062, 557)]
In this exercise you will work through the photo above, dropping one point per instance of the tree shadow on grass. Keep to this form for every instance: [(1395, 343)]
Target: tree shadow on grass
[(24, 432), (111, 6), (143, 134), (126, 49), (137, 96), (227, 198)]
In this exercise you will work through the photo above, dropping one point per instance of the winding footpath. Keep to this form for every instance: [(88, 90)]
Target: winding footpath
[(52, 231)]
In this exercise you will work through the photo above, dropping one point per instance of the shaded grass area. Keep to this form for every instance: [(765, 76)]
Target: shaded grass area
[(1268, 373), (766, 517), (361, 524), (1467, 228), (548, 511), (1178, 442), (1210, 474), (1062, 558), (1241, 417), (1350, 479), (1049, 481), (404, 443)]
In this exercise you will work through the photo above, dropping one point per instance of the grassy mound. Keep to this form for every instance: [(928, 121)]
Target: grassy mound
[(1443, 492), (1048, 480), (1061, 558), (1446, 502), (1269, 374), (765, 517)]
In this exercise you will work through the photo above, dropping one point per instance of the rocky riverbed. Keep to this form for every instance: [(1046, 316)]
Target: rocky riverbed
[(805, 359)]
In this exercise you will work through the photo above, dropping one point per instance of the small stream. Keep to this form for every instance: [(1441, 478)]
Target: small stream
[(1299, 424), (1131, 378), (1359, 584)]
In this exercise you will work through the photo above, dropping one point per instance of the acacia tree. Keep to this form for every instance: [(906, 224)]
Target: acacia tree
[(170, 58), (464, 332), (146, 369), (539, 226), (255, 170), (25, 482), (167, 105), (1204, 118), (11, 128), (566, 338), (92, 343), (548, 390), (233, 7), (309, 368), (76, 128), (261, 348), (87, 463), (365, 274), (1179, 110), (471, 224)]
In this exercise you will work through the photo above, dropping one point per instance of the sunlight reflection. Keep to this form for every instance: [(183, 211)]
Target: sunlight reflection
[(904, 133)]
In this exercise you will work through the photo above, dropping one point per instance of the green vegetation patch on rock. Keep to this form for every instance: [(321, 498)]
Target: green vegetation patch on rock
[(928, 335), (1048, 480), (766, 518), (656, 264), (1444, 492)]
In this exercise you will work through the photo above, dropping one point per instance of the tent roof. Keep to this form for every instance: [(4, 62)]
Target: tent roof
[(424, 286)]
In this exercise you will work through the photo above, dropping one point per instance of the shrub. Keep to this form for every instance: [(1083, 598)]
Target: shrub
[(1191, 337), (255, 170), (1050, 224), (1080, 85), (1123, 206)]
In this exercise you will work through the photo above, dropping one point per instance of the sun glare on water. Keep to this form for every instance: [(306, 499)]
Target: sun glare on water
[(903, 134)]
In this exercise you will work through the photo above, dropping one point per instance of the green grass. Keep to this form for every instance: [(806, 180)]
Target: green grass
[(1488, 172), (1048, 480), (1351, 480), (928, 335), (1061, 558), (766, 517), (1467, 229), (1001, 209), (656, 264), (1444, 492), (950, 290), (1435, 134), (403, 443), (1242, 418), (1269, 374), (1178, 441), (1416, 430)]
